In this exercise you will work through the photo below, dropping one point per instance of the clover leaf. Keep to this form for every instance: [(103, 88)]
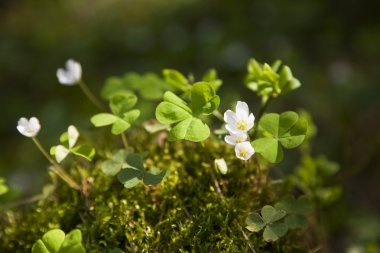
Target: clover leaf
[(270, 81), (176, 79), (268, 221), (113, 166), (55, 241), (133, 172), (297, 209), (68, 140), (186, 124), (285, 130), (149, 85), (211, 76), (122, 116)]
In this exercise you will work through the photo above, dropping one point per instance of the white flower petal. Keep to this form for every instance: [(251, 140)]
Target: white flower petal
[(250, 121), (28, 128), (230, 117), (72, 134), (71, 75), (244, 150), (60, 153), (221, 165), (234, 139), (242, 109)]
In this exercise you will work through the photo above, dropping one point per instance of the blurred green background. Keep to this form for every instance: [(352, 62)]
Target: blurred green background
[(331, 46)]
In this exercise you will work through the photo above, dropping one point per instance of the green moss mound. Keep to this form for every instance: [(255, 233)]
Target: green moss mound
[(185, 213)]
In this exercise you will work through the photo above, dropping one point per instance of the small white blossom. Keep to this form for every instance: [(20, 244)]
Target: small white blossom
[(234, 139), (244, 150), (221, 165), (28, 128), (71, 75), (240, 121)]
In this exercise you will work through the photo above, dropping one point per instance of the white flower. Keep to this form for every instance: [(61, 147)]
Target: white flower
[(234, 139), (221, 165), (28, 128), (71, 75), (240, 121), (244, 150)]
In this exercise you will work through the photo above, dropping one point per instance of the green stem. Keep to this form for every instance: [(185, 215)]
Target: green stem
[(263, 109), (217, 114), (90, 95), (57, 169), (124, 139)]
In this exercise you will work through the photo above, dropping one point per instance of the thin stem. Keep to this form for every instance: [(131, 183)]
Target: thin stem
[(246, 238), (216, 183), (124, 139), (217, 114), (90, 95), (56, 168), (263, 109)]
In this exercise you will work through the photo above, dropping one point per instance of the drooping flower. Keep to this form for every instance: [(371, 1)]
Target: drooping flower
[(28, 128), (244, 150), (234, 139), (240, 121), (71, 75)]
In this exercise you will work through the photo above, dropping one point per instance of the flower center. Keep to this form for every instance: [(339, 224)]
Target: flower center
[(243, 152), (240, 139), (242, 125)]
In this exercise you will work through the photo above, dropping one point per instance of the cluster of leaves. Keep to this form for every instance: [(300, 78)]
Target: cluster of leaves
[(55, 241), (185, 120), (130, 170), (289, 213), (122, 116), (312, 177), (279, 130), (270, 80), (68, 140)]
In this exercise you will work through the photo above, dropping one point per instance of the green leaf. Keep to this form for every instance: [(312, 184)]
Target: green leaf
[(269, 148), (135, 161), (254, 222), (296, 221), (176, 79), (114, 86), (120, 104), (50, 242), (153, 179), (270, 123), (211, 77), (60, 152), (113, 166), (287, 120), (119, 126), (168, 113), (295, 136), (302, 205), (174, 99), (203, 98), (73, 243), (85, 151), (152, 87), (130, 177), (191, 129), (153, 126), (131, 116), (103, 119), (3, 189), (271, 214), (273, 232)]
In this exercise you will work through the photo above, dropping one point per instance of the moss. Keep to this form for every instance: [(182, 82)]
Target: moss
[(182, 214)]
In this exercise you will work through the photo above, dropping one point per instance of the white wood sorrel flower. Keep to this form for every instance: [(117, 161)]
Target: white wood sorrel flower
[(71, 75), (234, 139), (240, 121), (29, 128), (244, 150)]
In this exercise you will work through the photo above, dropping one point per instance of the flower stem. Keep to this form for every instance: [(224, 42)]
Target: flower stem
[(57, 169), (263, 109), (124, 139), (90, 95), (217, 114)]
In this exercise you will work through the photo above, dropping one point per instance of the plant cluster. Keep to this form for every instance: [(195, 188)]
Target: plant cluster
[(183, 121)]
